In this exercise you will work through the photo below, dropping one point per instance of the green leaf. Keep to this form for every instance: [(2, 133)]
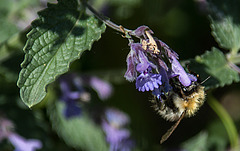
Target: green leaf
[(225, 23), (79, 132), (197, 143), (226, 33), (7, 29), (60, 35), (214, 64), (13, 45)]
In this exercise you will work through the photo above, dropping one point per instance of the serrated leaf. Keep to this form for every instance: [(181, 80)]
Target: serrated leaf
[(214, 64), (225, 23), (60, 35), (78, 132), (226, 33)]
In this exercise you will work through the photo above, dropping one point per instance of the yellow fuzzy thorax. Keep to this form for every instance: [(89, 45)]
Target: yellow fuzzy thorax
[(192, 103)]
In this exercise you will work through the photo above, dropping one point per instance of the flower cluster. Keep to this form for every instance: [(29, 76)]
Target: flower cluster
[(117, 136), (74, 92), (152, 63), (20, 143)]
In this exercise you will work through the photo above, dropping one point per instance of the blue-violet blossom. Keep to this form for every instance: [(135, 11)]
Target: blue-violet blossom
[(117, 136), (20, 143), (152, 63), (74, 93)]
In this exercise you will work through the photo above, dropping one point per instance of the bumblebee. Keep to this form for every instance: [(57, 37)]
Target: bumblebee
[(180, 102)]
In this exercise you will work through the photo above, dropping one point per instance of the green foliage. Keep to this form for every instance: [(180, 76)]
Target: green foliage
[(197, 143), (60, 35), (226, 33), (10, 11), (79, 132), (6, 29), (214, 64), (12, 46), (226, 120), (225, 23)]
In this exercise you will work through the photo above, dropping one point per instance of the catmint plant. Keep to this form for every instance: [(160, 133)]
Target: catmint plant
[(64, 94), (74, 93)]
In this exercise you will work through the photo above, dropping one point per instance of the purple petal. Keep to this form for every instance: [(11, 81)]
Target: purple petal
[(178, 70), (114, 135), (5, 127), (21, 144), (155, 85), (103, 88), (140, 31), (131, 73), (72, 109), (144, 62), (74, 95), (170, 52), (151, 85), (162, 64), (148, 81), (116, 117), (192, 77), (64, 85), (165, 80)]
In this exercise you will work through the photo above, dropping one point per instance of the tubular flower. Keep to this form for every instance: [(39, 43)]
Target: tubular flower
[(74, 93), (152, 63), (19, 143), (118, 137)]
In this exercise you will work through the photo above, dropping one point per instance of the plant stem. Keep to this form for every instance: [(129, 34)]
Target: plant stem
[(226, 120), (109, 23)]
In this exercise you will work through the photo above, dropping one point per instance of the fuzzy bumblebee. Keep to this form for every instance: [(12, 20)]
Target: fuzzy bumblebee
[(181, 99), (180, 102)]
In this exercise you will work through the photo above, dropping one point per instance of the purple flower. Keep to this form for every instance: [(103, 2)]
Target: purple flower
[(136, 57), (117, 136), (144, 62), (153, 63), (114, 135), (103, 88), (116, 117), (132, 60), (147, 81), (140, 31), (6, 126), (131, 72), (74, 94), (72, 109), (21, 144)]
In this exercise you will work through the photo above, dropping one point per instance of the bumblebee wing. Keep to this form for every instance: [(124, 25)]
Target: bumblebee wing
[(170, 131)]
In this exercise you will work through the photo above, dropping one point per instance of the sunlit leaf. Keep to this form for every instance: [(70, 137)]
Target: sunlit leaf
[(225, 23), (60, 35), (214, 64)]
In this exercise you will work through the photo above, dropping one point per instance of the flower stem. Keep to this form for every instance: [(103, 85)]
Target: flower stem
[(226, 120), (109, 23)]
